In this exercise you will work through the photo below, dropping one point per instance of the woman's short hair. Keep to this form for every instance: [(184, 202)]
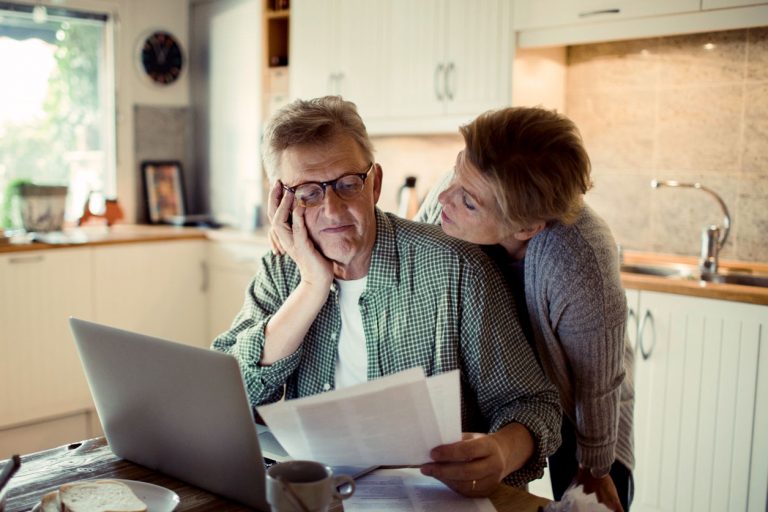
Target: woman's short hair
[(311, 122), (535, 160)]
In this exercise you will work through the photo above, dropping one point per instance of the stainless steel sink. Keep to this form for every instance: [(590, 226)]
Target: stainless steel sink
[(760, 280), (671, 271), (689, 272)]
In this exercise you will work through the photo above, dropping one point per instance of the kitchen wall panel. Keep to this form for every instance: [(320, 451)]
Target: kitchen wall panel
[(690, 108)]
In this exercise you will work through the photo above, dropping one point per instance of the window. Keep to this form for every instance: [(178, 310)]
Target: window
[(57, 114)]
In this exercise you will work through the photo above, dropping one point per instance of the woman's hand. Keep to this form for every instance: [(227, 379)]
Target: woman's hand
[(603, 487), (291, 235)]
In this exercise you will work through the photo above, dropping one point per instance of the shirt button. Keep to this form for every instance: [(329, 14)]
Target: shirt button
[(326, 386)]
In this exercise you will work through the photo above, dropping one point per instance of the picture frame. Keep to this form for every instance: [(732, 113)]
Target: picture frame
[(163, 190)]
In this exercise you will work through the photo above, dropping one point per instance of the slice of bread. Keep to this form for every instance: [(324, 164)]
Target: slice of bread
[(99, 496), (50, 502)]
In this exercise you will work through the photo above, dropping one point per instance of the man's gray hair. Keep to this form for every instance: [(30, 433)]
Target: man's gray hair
[(311, 122)]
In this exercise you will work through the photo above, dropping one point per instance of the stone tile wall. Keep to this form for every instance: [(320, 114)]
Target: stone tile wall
[(690, 108)]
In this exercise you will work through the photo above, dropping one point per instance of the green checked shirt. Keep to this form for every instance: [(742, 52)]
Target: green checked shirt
[(430, 301)]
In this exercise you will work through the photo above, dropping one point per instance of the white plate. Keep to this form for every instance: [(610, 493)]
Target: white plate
[(158, 499)]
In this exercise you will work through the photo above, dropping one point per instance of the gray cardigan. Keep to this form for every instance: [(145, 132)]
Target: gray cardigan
[(578, 314)]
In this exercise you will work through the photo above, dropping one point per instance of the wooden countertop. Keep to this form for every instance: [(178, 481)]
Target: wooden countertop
[(44, 471), (694, 287), (125, 233)]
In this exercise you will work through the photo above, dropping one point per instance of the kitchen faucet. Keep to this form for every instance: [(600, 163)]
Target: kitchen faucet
[(713, 237)]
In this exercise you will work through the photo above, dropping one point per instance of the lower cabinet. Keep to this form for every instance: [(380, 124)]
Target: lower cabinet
[(701, 403), (40, 373), (156, 288), (231, 267)]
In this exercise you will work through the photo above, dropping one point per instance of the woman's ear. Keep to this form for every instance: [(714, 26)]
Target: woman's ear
[(528, 232)]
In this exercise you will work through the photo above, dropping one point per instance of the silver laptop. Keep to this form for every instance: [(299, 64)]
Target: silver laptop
[(177, 409)]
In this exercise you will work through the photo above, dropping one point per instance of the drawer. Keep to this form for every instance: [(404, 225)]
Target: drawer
[(533, 14)]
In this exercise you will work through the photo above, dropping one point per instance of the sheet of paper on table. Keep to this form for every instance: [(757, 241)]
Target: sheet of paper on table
[(392, 421), (407, 489)]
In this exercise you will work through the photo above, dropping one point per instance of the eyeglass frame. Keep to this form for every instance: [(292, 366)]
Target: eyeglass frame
[(331, 183)]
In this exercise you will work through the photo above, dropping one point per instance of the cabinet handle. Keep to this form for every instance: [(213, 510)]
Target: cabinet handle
[(331, 81), (438, 72), (26, 259), (647, 318), (598, 12), (449, 92), (339, 80)]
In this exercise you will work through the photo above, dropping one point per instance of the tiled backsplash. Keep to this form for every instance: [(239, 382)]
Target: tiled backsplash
[(689, 108)]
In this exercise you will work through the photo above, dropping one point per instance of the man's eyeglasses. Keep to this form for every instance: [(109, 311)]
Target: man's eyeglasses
[(312, 193)]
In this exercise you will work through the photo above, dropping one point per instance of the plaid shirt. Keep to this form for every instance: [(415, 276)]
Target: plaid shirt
[(430, 301)]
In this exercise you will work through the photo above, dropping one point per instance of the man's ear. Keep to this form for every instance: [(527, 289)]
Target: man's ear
[(528, 232), (378, 176)]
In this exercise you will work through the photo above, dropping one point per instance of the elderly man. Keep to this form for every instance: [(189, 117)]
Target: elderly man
[(361, 294)]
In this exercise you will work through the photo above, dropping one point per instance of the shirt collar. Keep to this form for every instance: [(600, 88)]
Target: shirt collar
[(385, 263)]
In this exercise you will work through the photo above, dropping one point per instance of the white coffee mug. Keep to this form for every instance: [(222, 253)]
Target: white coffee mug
[(305, 486)]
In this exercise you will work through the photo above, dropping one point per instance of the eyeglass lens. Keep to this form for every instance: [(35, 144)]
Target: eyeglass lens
[(346, 187)]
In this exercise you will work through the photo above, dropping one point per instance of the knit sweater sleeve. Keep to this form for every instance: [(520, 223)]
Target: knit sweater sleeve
[(581, 315)]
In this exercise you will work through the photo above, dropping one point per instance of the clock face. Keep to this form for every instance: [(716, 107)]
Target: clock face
[(161, 58)]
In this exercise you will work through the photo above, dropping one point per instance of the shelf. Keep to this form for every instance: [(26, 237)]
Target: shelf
[(272, 15)]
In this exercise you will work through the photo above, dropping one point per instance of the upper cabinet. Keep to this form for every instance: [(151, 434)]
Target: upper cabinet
[(551, 13), (541, 23), (411, 67)]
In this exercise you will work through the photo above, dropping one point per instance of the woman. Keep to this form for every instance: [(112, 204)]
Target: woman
[(518, 188)]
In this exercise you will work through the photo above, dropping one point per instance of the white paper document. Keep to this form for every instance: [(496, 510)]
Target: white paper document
[(392, 421), (408, 490)]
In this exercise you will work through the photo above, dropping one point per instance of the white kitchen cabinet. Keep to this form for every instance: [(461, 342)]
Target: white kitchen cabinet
[(450, 61), (40, 372), (551, 13), (232, 266), (411, 67), (338, 47), (155, 288), (700, 397), (547, 23), (720, 4)]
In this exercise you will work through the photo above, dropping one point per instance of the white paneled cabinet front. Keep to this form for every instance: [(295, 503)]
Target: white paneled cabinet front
[(40, 372), (156, 288), (450, 61), (411, 67), (338, 48), (697, 401)]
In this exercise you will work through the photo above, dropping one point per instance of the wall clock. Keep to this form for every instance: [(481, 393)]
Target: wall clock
[(162, 59)]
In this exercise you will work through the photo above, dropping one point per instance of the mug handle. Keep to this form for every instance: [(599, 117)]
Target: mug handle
[(346, 482)]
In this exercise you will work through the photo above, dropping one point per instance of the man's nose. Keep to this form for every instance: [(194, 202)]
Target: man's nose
[(332, 203)]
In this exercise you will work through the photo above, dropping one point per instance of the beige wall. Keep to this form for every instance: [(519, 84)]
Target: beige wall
[(665, 108), (688, 108)]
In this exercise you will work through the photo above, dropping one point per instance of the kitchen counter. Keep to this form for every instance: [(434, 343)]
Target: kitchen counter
[(124, 233), (694, 287)]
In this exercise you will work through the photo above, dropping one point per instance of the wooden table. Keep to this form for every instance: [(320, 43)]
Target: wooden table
[(45, 471)]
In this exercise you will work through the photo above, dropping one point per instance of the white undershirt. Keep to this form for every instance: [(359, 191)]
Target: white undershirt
[(352, 358)]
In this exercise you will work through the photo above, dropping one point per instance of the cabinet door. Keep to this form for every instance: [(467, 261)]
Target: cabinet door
[(362, 50), (695, 385), (551, 13), (155, 288), (479, 53), (313, 51), (417, 60), (40, 371), (232, 267)]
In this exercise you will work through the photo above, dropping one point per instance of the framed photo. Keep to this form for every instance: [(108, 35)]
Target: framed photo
[(164, 190)]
